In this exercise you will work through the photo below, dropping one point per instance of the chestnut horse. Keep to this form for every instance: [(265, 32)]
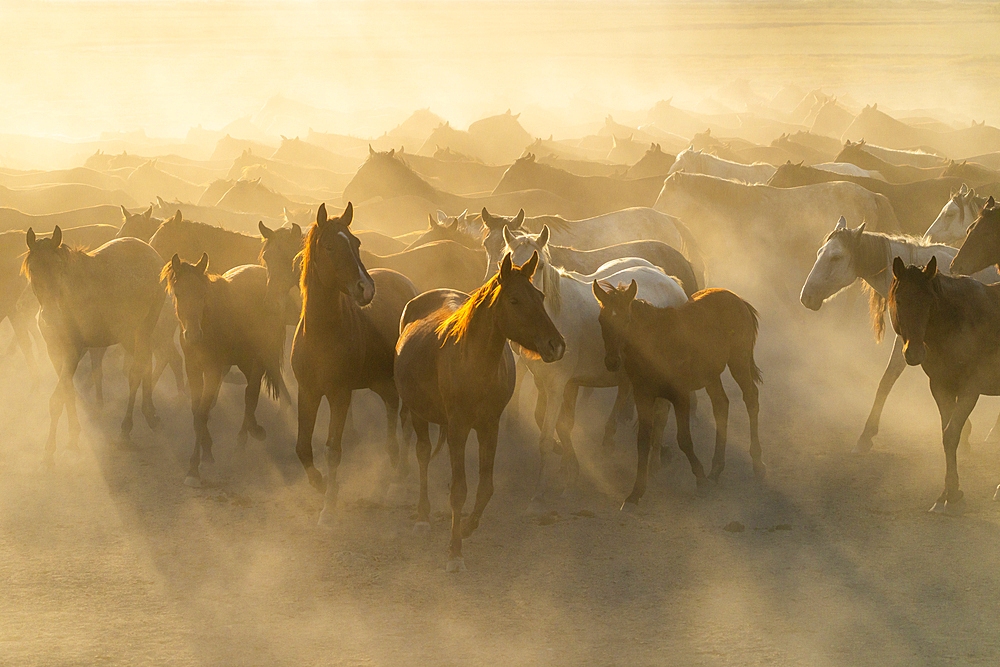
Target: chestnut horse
[(455, 368), (345, 340), (671, 352), (95, 300)]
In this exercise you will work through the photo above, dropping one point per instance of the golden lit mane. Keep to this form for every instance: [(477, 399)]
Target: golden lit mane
[(312, 238), (456, 326), (71, 254)]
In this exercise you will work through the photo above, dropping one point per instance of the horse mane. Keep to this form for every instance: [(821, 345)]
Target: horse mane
[(70, 253), (312, 238), (169, 277), (455, 327)]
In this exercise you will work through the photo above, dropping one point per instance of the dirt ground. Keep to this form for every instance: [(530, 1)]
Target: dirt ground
[(110, 560)]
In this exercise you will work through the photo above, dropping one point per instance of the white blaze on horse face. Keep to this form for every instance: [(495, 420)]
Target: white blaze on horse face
[(832, 272), (951, 224)]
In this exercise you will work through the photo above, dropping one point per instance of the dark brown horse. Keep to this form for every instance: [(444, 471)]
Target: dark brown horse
[(228, 320), (981, 247), (671, 352), (455, 368), (345, 340), (94, 300), (951, 328)]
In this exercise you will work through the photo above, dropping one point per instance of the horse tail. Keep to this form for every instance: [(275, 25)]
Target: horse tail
[(692, 251), (272, 362), (876, 308), (755, 373)]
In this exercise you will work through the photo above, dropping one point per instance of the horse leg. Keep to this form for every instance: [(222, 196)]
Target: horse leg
[(657, 452), (196, 380), (552, 388), (487, 437), (423, 523), (954, 412), (209, 395), (644, 404), (620, 413), (390, 396), (751, 399), (308, 406), (564, 431), (889, 377), (22, 337), (994, 435), (340, 403), (720, 409), (97, 373), (251, 397), (458, 434), (682, 412)]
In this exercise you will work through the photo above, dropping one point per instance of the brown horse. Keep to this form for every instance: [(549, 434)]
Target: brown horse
[(228, 320), (949, 327), (671, 352), (345, 340), (981, 247), (455, 368), (441, 264), (96, 299)]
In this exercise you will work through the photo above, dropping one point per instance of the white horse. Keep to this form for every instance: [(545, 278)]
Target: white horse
[(697, 162), (848, 169), (954, 220), (570, 303), (849, 255)]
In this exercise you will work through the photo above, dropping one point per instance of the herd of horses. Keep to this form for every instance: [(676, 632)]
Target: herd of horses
[(603, 285)]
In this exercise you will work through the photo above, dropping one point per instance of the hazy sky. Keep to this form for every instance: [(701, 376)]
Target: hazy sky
[(72, 67)]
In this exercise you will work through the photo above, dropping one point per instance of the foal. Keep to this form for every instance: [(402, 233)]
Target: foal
[(950, 327), (670, 353), (225, 321), (455, 368)]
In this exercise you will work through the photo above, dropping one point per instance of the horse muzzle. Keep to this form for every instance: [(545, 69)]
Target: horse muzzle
[(363, 292), (914, 354), (810, 301), (552, 350)]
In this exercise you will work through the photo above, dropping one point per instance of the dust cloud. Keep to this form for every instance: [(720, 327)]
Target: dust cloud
[(832, 560)]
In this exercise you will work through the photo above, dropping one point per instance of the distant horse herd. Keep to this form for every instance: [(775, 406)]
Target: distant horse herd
[(603, 285)]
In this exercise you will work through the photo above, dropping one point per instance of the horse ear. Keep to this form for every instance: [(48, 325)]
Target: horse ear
[(461, 218), (392, 151), (297, 229), (125, 213), (177, 216), (599, 292), (860, 230), (632, 290), (57, 236), (518, 220), (432, 223), (264, 231), (371, 151), (528, 268), (321, 215), (348, 215), (842, 223), (990, 203), (175, 262), (964, 189), (931, 269), (30, 238), (202, 264), (543, 237), (505, 268), (454, 225), (898, 267), (508, 238), (441, 215), (148, 214)]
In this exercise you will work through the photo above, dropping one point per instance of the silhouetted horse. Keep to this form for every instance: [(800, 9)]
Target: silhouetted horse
[(345, 340), (228, 320), (455, 368), (671, 352), (951, 328), (96, 299)]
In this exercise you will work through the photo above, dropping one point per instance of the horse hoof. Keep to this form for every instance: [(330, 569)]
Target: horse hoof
[(630, 507), (71, 456), (536, 507), (154, 423), (422, 528), (257, 432), (316, 479), (937, 508), (956, 508), (192, 481), (864, 444), (759, 471), (327, 519), (996, 496), (456, 565)]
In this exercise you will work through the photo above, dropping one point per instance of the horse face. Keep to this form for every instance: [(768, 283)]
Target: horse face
[(833, 271), (281, 247), (614, 320), (982, 244), (911, 300), (493, 242), (45, 264), (338, 260), (188, 283), (522, 246), (523, 318), (951, 224)]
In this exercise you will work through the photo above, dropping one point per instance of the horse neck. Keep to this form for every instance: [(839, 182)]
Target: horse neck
[(872, 260), (483, 341), (645, 323), (325, 307), (551, 283)]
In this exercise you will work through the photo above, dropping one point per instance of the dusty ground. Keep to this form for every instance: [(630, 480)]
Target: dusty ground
[(110, 560)]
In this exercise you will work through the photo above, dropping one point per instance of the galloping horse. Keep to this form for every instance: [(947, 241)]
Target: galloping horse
[(345, 340), (95, 299), (455, 368)]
